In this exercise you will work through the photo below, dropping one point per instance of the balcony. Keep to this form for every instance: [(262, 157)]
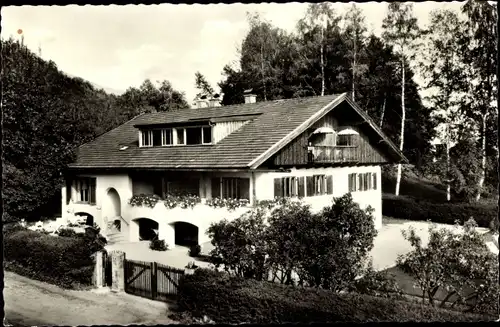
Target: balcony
[(332, 154)]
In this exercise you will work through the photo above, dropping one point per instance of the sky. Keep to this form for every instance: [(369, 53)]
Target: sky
[(117, 47)]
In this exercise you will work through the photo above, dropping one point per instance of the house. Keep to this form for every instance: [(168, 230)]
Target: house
[(314, 147)]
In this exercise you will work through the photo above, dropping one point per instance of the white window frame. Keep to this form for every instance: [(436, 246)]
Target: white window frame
[(149, 135), (203, 135), (164, 137)]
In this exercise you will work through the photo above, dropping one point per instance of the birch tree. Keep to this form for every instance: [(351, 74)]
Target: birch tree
[(400, 30), (442, 71), (354, 35), (317, 19), (480, 44)]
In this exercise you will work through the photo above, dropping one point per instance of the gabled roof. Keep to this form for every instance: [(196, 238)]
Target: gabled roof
[(272, 125)]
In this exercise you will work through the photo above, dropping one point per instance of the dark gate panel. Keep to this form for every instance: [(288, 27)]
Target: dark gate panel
[(151, 280)]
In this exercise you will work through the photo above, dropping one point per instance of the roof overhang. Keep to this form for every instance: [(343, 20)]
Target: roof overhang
[(88, 169)]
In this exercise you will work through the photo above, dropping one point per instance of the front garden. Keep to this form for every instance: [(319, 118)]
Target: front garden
[(286, 264), (66, 260)]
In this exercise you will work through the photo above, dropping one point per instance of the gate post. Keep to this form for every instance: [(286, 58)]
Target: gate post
[(118, 271), (99, 270)]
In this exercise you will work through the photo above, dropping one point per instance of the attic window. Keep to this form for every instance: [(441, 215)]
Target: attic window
[(346, 138), (194, 135)]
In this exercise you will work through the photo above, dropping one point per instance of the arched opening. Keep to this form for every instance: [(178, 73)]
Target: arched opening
[(148, 229), (85, 218), (185, 234), (113, 204)]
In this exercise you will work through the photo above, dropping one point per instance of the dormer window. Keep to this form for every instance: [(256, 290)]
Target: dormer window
[(147, 138), (194, 135), (176, 136), (346, 138)]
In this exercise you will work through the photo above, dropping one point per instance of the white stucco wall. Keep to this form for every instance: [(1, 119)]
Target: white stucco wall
[(103, 210), (264, 184)]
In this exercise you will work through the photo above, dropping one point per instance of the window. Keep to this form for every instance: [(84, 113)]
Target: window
[(85, 190), (365, 182), (345, 140), (319, 185), (193, 135), (166, 136), (157, 137), (231, 188), (181, 135), (207, 135), (147, 138), (289, 187)]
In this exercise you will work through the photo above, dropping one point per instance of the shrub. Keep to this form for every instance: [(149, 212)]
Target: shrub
[(377, 283), (230, 204), (64, 261), (149, 200), (457, 265), (447, 213), (229, 300), (194, 250), (68, 232), (183, 201), (158, 245)]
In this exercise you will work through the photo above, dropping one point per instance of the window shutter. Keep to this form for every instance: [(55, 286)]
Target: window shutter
[(215, 187), (374, 175), (309, 186), (92, 187), (368, 181), (360, 182), (329, 184), (301, 190), (278, 187)]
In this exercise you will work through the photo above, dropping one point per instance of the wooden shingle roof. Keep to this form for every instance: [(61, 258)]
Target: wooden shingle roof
[(270, 123)]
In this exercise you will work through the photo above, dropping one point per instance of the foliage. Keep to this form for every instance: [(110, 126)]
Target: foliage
[(194, 250), (457, 262), (421, 210), (233, 300), (149, 200), (202, 84), (230, 204), (64, 261), (158, 245), (377, 283), (183, 201), (67, 232), (240, 245)]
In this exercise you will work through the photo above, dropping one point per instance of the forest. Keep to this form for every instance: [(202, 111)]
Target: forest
[(47, 114)]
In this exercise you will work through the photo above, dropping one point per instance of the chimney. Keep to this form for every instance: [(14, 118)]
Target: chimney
[(215, 100), (249, 97), (200, 102)]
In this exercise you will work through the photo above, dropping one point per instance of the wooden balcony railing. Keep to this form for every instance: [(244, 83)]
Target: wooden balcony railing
[(328, 154)]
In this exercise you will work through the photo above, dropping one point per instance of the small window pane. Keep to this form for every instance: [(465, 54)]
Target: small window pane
[(167, 136), (156, 137), (193, 135), (345, 140), (207, 134), (180, 136)]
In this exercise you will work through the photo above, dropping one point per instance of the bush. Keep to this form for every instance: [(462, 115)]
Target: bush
[(447, 213), (229, 300), (454, 268), (68, 232), (194, 250), (158, 245), (64, 261)]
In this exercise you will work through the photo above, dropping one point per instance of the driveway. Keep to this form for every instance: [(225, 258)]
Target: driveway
[(30, 302), (390, 243)]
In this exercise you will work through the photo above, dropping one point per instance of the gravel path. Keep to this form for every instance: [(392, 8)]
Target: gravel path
[(30, 302)]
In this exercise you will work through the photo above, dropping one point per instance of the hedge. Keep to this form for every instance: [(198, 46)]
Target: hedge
[(412, 209), (64, 261), (227, 300)]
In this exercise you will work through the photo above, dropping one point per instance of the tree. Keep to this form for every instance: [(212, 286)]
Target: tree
[(400, 30), (202, 84), (443, 73), (457, 263), (319, 17), (480, 44), (354, 34)]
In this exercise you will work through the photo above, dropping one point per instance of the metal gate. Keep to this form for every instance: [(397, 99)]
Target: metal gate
[(151, 280), (108, 274)]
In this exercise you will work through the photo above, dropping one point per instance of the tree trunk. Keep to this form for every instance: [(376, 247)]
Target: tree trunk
[(403, 117), (262, 71), (354, 71), (322, 67), (448, 181), (483, 158), (383, 111)]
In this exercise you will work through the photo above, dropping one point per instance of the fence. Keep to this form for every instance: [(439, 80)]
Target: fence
[(151, 280), (147, 279)]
